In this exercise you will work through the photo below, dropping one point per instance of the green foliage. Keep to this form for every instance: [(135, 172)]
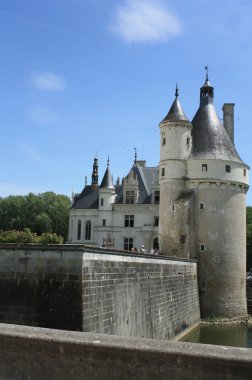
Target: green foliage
[(27, 237), (48, 238), (249, 238), (46, 212), (249, 215)]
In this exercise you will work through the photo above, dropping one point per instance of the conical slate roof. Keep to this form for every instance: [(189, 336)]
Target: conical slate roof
[(107, 181), (176, 112), (210, 138)]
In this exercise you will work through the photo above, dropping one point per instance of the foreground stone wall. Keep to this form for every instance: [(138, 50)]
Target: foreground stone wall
[(38, 354), (75, 287), (41, 286), (139, 296)]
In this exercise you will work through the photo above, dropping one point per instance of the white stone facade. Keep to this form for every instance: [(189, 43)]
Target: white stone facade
[(128, 225)]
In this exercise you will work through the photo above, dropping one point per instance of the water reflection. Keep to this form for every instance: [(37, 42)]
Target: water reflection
[(236, 336)]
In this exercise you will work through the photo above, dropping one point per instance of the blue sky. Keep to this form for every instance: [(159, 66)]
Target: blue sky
[(80, 77)]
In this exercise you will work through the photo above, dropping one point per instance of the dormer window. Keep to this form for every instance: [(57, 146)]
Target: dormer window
[(130, 195), (204, 167)]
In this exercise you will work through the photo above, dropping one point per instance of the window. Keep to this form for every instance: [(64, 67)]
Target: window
[(156, 196), (130, 195), (79, 230), (88, 230), (173, 208), (182, 239), (188, 141), (202, 247), (102, 201), (156, 221), (172, 233), (228, 169), (163, 141), (163, 172), (128, 244), (244, 172), (129, 221), (104, 222), (204, 167), (201, 206), (155, 244)]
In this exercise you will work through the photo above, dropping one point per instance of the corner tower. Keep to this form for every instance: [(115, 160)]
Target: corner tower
[(175, 147), (106, 191), (219, 179)]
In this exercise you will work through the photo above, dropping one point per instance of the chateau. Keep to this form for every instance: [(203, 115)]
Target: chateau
[(192, 206), (120, 216)]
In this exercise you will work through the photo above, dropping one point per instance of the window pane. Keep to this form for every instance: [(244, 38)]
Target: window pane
[(129, 221), (88, 230), (156, 197), (79, 230), (130, 197), (128, 244)]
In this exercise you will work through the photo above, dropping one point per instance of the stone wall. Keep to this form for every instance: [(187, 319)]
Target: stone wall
[(38, 354), (139, 296), (41, 286), (75, 287)]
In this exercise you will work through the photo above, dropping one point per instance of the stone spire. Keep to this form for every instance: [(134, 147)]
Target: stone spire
[(95, 174)]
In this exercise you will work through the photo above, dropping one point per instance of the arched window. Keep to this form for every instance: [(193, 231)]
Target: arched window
[(79, 230), (88, 230)]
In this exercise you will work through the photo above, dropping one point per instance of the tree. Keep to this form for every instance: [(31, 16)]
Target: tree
[(46, 212), (249, 238)]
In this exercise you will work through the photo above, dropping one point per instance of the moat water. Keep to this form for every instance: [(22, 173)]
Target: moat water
[(236, 336)]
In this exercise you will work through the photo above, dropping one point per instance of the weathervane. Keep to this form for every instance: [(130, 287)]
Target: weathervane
[(135, 149), (206, 68), (176, 91)]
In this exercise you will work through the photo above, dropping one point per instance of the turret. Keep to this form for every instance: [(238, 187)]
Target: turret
[(175, 147), (219, 180), (106, 191)]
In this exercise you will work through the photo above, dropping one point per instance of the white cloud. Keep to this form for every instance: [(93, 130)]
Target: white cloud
[(43, 115), (29, 150), (145, 21), (47, 81)]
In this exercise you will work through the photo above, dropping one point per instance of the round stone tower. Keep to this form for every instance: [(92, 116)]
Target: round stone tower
[(219, 179), (175, 147)]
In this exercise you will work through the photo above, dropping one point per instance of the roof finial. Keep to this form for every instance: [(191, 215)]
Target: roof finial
[(135, 149), (108, 162), (176, 91), (206, 68)]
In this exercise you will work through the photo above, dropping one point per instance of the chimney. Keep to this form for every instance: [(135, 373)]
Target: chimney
[(228, 119)]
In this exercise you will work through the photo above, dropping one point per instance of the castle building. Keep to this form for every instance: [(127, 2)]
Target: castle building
[(192, 206), (203, 185), (121, 216)]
